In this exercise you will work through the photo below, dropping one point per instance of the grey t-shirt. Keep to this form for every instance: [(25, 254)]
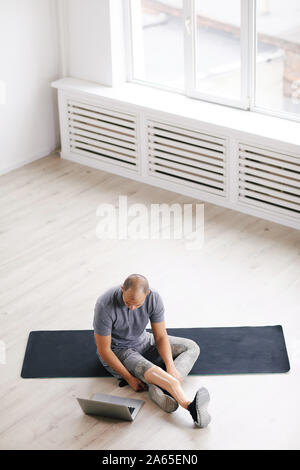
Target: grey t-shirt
[(126, 327)]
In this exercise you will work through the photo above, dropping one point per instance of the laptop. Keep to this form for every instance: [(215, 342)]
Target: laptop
[(111, 406)]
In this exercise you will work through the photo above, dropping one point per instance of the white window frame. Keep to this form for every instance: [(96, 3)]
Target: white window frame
[(248, 45)]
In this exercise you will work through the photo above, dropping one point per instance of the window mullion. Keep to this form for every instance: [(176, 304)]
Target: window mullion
[(189, 46), (245, 53), (252, 45), (128, 39), (136, 43)]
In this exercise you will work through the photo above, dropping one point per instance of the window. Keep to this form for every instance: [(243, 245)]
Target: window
[(217, 51), (278, 56), (158, 43), (240, 53)]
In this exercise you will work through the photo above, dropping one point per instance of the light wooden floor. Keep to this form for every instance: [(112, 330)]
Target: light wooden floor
[(53, 267)]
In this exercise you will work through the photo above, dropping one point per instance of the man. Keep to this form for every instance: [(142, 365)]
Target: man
[(127, 350)]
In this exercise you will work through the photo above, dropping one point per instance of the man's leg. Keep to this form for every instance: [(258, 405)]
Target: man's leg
[(197, 408), (137, 365), (185, 353), (157, 376)]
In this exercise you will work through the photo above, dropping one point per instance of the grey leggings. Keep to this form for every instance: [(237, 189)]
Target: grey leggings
[(184, 351)]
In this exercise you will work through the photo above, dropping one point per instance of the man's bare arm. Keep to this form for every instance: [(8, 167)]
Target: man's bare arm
[(162, 342), (165, 352), (104, 350), (164, 348)]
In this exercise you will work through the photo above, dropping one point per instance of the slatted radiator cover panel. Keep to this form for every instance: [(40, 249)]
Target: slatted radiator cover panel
[(188, 157), (269, 179), (106, 135)]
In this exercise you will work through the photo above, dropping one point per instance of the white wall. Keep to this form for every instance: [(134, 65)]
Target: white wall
[(41, 41), (29, 61), (93, 40)]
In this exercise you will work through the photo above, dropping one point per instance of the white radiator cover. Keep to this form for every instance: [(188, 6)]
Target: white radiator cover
[(192, 158), (101, 133), (269, 179), (243, 172)]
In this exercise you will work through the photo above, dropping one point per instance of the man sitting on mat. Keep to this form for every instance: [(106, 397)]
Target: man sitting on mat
[(123, 345)]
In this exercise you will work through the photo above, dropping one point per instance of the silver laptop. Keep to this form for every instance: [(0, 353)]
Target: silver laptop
[(111, 406)]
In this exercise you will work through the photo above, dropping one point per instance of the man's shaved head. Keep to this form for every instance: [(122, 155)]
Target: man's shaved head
[(136, 282), (135, 289)]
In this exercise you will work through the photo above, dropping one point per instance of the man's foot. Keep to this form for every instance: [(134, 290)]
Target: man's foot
[(164, 401), (198, 408)]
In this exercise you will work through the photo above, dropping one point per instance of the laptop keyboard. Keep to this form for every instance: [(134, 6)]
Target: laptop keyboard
[(131, 409)]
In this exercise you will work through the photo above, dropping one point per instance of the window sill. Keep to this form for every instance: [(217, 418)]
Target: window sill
[(282, 130)]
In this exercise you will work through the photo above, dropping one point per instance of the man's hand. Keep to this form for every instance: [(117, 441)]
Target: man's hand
[(174, 372), (137, 384)]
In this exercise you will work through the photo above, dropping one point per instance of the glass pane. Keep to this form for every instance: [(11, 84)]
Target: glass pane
[(218, 51), (158, 42), (278, 55)]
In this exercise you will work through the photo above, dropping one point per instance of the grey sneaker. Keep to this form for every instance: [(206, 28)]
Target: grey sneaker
[(166, 402), (198, 408)]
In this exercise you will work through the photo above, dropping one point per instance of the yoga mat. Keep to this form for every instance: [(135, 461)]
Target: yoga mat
[(231, 350)]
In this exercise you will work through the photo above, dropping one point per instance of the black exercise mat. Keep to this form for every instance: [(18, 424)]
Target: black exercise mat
[(232, 350)]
